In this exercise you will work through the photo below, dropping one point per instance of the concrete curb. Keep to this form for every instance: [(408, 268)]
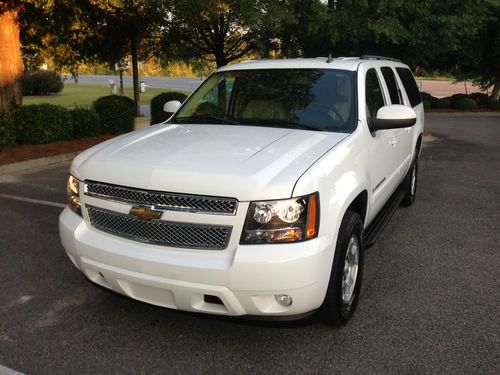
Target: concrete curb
[(35, 163), (462, 114)]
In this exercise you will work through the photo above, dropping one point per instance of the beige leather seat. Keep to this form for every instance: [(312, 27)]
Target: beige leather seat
[(260, 108), (343, 104)]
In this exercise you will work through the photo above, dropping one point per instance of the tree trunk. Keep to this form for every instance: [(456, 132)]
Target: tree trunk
[(496, 88), (11, 63), (135, 74)]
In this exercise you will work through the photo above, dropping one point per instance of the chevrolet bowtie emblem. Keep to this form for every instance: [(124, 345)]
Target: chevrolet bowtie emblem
[(145, 212)]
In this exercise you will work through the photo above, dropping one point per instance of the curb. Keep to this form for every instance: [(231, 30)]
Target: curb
[(462, 114), (35, 163)]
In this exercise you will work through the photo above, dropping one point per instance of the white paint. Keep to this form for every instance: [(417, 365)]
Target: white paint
[(31, 200)]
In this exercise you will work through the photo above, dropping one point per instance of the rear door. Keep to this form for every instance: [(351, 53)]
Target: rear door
[(414, 100), (402, 136)]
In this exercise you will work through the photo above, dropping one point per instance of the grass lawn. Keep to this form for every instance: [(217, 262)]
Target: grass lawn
[(82, 95)]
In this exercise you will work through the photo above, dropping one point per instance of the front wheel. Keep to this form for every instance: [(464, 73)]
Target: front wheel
[(345, 280)]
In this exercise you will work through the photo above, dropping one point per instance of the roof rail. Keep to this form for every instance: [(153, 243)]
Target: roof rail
[(374, 57)]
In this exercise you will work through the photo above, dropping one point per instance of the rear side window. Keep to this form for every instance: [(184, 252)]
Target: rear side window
[(374, 97), (392, 85), (410, 86)]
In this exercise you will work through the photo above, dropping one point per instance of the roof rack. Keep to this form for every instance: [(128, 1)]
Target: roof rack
[(374, 57)]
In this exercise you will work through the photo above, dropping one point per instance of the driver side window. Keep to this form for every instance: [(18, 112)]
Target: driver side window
[(373, 92)]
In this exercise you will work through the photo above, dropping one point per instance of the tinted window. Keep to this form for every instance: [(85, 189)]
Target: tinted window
[(316, 99), (392, 85), (374, 96), (410, 86)]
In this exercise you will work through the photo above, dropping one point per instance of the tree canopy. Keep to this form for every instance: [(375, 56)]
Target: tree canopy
[(460, 36)]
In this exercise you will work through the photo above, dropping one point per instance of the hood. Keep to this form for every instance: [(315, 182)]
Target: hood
[(243, 162)]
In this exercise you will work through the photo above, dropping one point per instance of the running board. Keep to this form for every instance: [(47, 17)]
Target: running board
[(377, 226)]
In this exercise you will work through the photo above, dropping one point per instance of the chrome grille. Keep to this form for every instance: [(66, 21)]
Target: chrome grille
[(160, 232), (164, 200)]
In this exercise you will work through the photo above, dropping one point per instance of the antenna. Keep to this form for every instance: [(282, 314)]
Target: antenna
[(329, 59)]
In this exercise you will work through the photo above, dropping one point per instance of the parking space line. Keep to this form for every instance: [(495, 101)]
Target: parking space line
[(31, 200)]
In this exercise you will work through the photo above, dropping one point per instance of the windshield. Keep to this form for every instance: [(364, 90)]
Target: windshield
[(312, 99)]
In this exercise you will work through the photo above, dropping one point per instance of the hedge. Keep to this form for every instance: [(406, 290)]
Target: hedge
[(494, 104), (116, 113), (7, 133), (42, 123), (42, 82), (454, 98), (481, 99), (465, 103), (427, 104), (443, 103), (157, 103), (86, 122)]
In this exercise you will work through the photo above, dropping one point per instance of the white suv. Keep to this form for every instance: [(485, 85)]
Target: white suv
[(258, 196)]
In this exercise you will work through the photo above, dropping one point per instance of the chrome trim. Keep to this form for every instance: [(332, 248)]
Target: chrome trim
[(209, 200), (157, 222)]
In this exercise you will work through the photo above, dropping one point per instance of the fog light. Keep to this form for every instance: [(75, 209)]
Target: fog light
[(283, 299)]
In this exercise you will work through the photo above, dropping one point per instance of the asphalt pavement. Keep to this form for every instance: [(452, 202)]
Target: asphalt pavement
[(429, 302)]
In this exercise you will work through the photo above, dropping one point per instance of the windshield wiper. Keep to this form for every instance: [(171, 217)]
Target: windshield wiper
[(197, 119), (287, 123)]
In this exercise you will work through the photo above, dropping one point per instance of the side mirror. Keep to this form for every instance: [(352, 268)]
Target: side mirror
[(394, 116), (171, 106)]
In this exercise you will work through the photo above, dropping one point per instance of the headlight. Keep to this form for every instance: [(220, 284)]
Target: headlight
[(288, 220), (73, 190)]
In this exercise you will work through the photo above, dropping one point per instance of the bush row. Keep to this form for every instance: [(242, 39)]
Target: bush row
[(460, 101), (45, 123)]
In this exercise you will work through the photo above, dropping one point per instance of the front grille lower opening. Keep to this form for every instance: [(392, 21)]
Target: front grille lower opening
[(212, 299)]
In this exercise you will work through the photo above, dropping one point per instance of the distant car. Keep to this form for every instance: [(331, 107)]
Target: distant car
[(258, 196)]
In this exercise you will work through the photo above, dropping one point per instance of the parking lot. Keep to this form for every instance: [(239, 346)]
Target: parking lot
[(429, 302)]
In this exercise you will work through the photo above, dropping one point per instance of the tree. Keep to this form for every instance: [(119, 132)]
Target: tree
[(78, 31), (216, 30), (479, 55), (11, 64)]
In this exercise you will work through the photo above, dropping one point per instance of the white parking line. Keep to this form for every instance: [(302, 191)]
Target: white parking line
[(31, 200), (8, 371)]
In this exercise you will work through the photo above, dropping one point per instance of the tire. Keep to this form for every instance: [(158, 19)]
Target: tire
[(341, 299), (410, 184)]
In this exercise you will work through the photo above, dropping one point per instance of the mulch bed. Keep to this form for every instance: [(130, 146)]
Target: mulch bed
[(27, 152)]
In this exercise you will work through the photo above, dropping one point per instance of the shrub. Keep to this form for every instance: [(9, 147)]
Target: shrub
[(7, 134), (494, 104), (465, 103), (454, 98), (42, 123), (42, 82), (157, 103), (443, 103), (481, 99), (427, 104), (426, 96), (86, 122), (116, 113)]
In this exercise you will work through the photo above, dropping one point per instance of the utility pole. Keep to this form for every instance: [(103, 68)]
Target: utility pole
[(135, 74)]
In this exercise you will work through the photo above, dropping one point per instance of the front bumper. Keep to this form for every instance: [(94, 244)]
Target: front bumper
[(245, 278)]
